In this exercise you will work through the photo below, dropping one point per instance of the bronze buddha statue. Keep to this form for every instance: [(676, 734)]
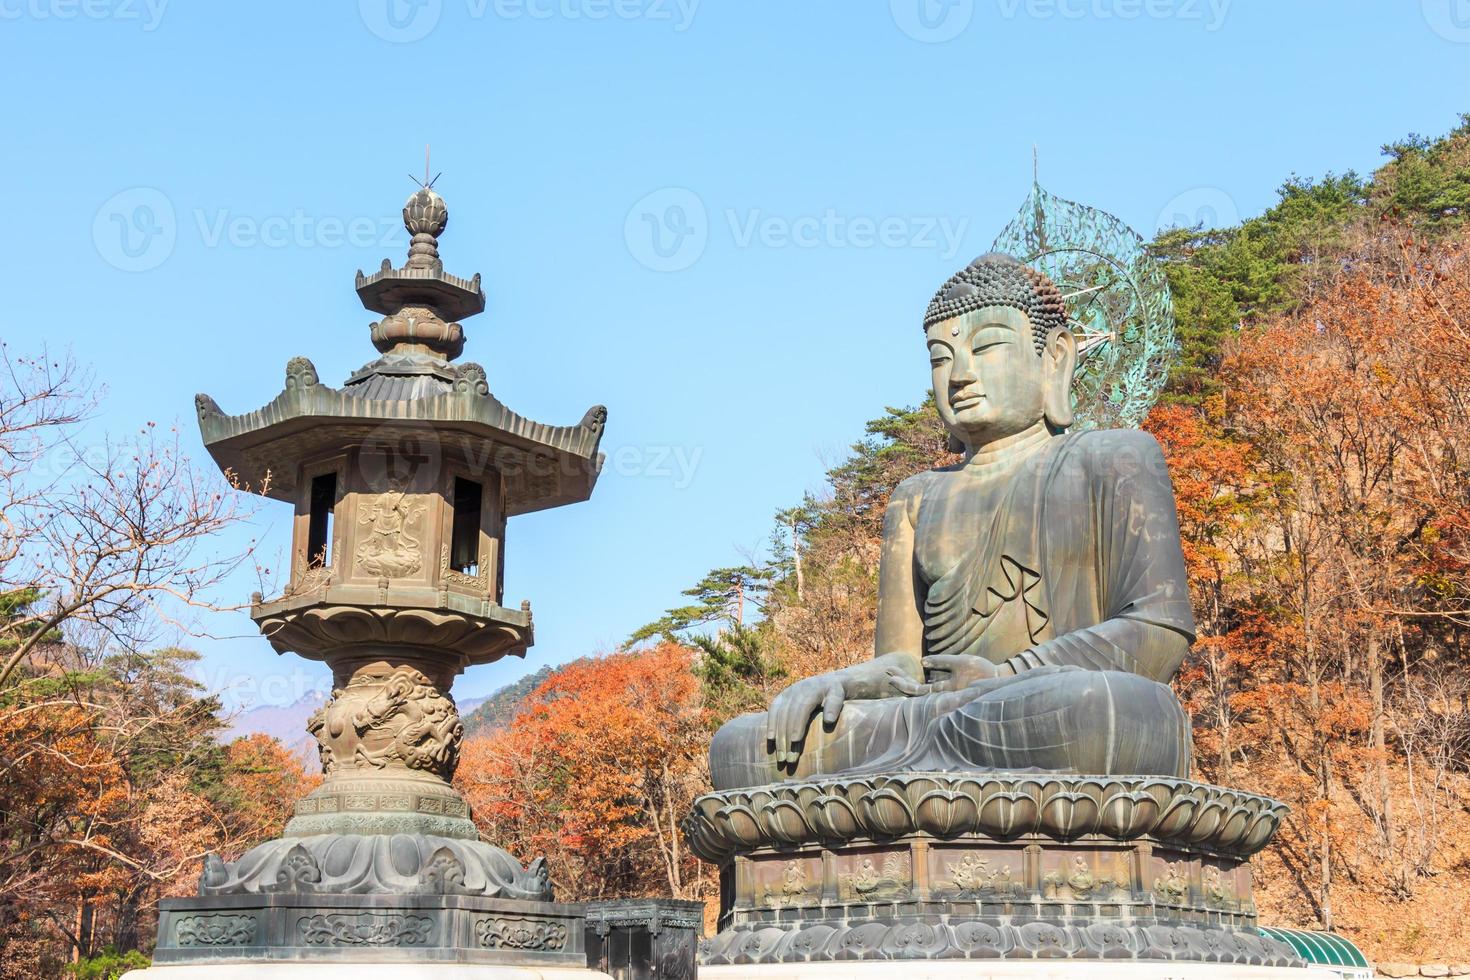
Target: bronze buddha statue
[(1032, 605)]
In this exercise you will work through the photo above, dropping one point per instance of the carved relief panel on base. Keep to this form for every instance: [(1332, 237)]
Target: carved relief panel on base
[(988, 874), (1101, 875), (876, 875), (785, 882)]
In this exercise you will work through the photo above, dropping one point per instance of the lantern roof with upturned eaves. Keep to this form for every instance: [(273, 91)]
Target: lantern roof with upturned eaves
[(414, 385)]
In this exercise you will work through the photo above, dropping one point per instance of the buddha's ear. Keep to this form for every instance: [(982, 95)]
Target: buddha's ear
[(954, 444), (1058, 364)]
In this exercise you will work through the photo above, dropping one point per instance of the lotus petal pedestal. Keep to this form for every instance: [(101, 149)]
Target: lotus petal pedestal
[(985, 866)]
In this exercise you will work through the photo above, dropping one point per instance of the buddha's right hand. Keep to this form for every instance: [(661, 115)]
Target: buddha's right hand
[(791, 711)]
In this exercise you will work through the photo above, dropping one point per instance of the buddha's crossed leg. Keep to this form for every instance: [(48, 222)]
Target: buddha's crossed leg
[(1049, 719)]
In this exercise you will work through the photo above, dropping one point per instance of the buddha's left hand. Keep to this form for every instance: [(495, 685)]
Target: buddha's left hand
[(951, 672)]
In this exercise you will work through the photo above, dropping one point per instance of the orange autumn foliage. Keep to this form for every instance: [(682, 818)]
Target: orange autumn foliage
[(595, 772), (1321, 500), (110, 794), (1218, 491), (264, 780)]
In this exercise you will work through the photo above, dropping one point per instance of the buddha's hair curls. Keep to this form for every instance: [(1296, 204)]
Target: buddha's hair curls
[(1000, 280)]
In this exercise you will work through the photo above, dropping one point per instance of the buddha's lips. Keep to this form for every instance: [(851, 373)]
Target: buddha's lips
[(965, 401)]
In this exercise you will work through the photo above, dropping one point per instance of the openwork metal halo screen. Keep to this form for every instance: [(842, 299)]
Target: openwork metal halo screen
[(1118, 303)]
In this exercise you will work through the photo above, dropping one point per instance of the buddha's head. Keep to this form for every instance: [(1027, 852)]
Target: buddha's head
[(1001, 351)]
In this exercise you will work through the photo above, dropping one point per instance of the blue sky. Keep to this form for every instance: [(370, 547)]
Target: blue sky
[(720, 218)]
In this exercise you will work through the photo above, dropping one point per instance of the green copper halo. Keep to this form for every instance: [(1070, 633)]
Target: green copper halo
[(1118, 303)]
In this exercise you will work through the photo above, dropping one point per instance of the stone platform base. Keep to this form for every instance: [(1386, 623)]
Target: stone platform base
[(357, 971), (1013, 970), (1148, 873), (297, 931)]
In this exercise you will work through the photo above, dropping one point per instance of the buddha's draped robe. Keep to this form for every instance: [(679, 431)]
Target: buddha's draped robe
[(1077, 592)]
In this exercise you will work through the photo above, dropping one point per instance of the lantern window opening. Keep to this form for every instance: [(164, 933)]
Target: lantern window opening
[(464, 546), (319, 524)]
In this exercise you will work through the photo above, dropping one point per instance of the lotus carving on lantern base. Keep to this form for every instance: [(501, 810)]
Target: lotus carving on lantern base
[(321, 625)]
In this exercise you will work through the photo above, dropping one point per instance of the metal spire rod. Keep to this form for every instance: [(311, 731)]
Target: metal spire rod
[(426, 183)]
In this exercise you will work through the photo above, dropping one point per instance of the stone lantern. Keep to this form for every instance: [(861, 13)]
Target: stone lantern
[(402, 482)]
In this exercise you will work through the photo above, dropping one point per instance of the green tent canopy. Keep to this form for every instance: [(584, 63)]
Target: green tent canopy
[(1320, 948)]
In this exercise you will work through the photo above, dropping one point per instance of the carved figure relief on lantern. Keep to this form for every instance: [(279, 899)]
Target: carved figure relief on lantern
[(389, 536), (395, 492)]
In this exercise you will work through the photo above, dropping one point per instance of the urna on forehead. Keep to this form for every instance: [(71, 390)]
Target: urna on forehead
[(1001, 280)]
